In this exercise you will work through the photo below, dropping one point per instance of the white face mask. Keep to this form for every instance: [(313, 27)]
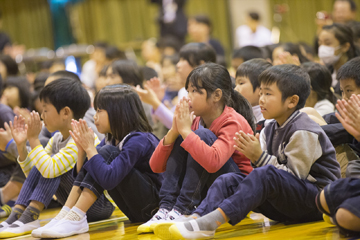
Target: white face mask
[(327, 55)]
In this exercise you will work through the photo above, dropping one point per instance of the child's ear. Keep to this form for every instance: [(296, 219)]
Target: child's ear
[(217, 95), (293, 101), (66, 112), (345, 47)]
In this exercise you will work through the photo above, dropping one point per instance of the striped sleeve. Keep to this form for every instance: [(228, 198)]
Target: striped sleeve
[(51, 166)]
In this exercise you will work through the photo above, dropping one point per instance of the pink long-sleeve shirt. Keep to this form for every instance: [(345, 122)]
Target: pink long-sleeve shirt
[(211, 158)]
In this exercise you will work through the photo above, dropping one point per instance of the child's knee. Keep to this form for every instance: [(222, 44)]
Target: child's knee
[(107, 150), (206, 135), (347, 220)]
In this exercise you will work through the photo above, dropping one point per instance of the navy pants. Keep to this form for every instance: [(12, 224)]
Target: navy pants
[(275, 193), (137, 195), (185, 181), (344, 193), (38, 188)]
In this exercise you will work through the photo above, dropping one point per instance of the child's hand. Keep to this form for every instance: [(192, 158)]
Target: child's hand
[(148, 95), (287, 58), (34, 126), (5, 136), (158, 88), (184, 118), (19, 130), (87, 139), (248, 145), (350, 115), (75, 134)]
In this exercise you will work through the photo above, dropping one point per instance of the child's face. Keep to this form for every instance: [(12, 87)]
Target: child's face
[(271, 104), (183, 68), (112, 78), (236, 62), (11, 94), (52, 119), (198, 101), (168, 69), (102, 122), (348, 87), (245, 88)]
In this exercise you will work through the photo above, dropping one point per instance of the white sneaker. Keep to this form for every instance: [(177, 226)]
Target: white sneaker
[(66, 228), (5, 225), (179, 231), (159, 216), (174, 215), (22, 229), (37, 232)]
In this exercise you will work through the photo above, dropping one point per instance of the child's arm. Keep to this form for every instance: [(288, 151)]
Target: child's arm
[(163, 150), (109, 175)]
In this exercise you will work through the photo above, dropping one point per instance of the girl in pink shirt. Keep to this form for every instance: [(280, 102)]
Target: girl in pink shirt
[(197, 150)]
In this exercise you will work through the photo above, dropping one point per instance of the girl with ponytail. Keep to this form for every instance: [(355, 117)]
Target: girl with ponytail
[(197, 150)]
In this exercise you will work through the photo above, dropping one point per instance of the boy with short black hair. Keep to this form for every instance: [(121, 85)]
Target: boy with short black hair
[(293, 160), (349, 78), (48, 169), (247, 83), (244, 54)]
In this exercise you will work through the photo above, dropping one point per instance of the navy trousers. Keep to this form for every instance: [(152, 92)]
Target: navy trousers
[(275, 193)]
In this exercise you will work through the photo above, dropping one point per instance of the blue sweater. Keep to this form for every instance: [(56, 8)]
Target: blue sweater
[(136, 152)]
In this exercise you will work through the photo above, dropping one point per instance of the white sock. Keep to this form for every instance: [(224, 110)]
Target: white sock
[(63, 212), (75, 214)]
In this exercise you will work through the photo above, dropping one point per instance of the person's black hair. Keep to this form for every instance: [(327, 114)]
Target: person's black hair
[(344, 35), (34, 96), (308, 49), (194, 53), (268, 50), (169, 41), (320, 79), (350, 70), (294, 49), (129, 72), (211, 76), (65, 92), (148, 73), (24, 89), (290, 79), (124, 108), (247, 53), (11, 66), (355, 28), (65, 74), (254, 16), (1, 85), (173, 58), (40, 80), (113, 53), (101, 44), (252, 70), (204, 19), (352, 3)]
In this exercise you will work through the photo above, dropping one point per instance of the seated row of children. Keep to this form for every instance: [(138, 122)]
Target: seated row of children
[(200, 155), (197, 155)]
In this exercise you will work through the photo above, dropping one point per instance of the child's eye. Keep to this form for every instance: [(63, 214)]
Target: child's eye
[(267, 94)]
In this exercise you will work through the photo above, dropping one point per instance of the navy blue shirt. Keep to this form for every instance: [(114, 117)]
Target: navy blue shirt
[(136, 152)]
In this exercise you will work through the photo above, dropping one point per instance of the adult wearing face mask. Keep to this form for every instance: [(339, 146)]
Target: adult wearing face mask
[(336, 47)]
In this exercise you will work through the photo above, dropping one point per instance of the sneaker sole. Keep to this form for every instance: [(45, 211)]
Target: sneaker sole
[(144, 229), (161, 230), (175, 232), (50, 234)]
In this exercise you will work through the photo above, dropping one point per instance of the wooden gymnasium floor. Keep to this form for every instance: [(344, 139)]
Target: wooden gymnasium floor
[(118, 227)]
